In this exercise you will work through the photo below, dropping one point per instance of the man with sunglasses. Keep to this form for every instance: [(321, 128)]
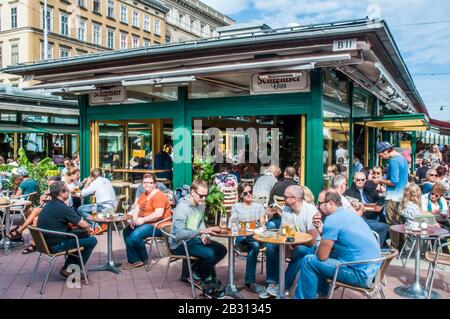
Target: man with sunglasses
[(188, 224), (57, 216), (298, 214), (396, 181), (345, 238)]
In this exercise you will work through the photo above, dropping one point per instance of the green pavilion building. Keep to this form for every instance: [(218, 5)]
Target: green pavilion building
[(317, 89)]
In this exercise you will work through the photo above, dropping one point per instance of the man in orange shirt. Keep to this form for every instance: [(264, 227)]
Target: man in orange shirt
[(151, 207)]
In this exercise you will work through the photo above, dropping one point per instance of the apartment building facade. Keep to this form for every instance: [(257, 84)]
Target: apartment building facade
[(192, 19), (76, 27)]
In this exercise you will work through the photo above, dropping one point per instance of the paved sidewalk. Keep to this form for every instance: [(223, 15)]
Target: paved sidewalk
[(15, 271)]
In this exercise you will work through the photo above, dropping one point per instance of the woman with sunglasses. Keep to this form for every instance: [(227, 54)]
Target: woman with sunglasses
[(246, 210), (434, 202), (436, 155), (431, 180)]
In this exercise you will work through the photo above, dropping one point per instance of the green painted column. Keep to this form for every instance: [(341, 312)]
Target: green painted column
[(314, 136), (351, 138), (85, 156), (413, 151), (182, 141)]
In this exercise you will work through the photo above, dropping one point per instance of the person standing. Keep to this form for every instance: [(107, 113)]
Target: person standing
[(396, 181)]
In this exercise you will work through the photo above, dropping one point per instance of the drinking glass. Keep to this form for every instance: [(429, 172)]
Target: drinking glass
[(94, 211), (223, 222), (125, 207)]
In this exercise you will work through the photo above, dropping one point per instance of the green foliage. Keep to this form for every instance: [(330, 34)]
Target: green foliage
[(203, 169), (214, 202), (39, 171)]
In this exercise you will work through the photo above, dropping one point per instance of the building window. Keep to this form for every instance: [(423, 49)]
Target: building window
[(14, 53), (147, 43), (49, 52), (123, 41), (13, 17), (167, 38), (181, 19), (64, 24), (110, 12), (157, 27), (81, 52), (110, 43), (192, 25), (49, 18), (123, 14), (147, 23), (1, 57), (202, 29), (96, 6), (97, 34), (135, 42), (81, 30), (64, 53), (135, 19), (82, 3)]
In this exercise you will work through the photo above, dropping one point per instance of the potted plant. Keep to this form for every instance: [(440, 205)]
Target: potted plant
[(214, 205)]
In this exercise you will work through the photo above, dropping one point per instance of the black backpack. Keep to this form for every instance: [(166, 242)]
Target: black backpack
[(181, 192)]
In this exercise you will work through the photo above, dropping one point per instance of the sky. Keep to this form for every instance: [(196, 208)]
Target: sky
[(421, 29)]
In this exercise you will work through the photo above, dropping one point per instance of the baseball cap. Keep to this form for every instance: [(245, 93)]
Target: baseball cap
[(22, 171), (382, 146)]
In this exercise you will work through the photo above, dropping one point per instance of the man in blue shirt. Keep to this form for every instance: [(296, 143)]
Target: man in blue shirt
[(346, 237), (396, 181)]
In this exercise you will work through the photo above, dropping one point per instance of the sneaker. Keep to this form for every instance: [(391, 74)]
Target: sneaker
[(264, 295), (255, 287), (129, 266), (273, 289)]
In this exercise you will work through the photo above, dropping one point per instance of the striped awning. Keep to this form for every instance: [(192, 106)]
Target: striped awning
[(431, 137)]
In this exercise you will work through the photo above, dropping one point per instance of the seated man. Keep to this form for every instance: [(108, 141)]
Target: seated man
[(152, 207), (103, 192), (33, 216), (189, 225), (299, 214), (58, 216), (28, 185), (345, 238)]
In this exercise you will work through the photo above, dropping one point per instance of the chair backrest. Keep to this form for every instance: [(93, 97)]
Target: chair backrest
[(32, 198), (39, 240), (279, 200), (262, 199), (230, 197), (250, 181), (166, 230), (120, 199)]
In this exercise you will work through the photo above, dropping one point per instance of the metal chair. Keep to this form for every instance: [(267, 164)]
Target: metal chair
[(262, 199), (250, 181), (230, 198), (173, 257), (279, 200), (436, 257), (154, 240), (375, 288), (45, 254), (21, 209)]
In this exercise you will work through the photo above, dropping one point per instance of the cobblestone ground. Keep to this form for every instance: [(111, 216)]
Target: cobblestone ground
[(16, 268)]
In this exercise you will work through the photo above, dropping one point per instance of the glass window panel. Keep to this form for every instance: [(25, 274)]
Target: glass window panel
[(111, 147), (5, 116), (335, 87), (64, 120), (33, 118)]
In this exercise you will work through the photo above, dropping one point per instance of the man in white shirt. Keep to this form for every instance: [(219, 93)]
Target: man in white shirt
[(103, 191), (298, 214), (342, 152), (339, 183)]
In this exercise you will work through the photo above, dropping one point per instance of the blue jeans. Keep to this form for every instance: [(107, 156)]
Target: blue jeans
[(88, 243), (314, 272), (134, 242), (273, 223), (209, 255), (251, 246), (273, 265)]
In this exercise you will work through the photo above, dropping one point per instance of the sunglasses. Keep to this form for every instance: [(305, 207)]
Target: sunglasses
[(148, 182), (201, 195), (432, 175), (435, 194), (247, 193), (320, 203), (286, 197), (360, 180), (376, 172)]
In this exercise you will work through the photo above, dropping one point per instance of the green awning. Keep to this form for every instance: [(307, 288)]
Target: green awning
[(396, 123), (16, 128), (432, 137)]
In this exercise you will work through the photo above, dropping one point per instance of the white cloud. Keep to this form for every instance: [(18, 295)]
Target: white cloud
[(228, 6)]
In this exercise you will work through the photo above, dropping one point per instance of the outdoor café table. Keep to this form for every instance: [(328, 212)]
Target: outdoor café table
[(416, 291), (230, 289), (300, 238), (110, 265), (6, 221)]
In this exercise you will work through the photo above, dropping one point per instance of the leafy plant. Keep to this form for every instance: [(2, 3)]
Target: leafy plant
[(39, 171), (214, 203), (203, 169)]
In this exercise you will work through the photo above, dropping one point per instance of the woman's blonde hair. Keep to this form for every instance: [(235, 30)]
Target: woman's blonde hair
[(308, 195), (412, 193)]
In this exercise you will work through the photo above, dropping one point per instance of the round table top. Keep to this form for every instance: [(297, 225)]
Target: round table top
[(227, 233), (116, 218), (300, 238), (18, 203), (432, 230)]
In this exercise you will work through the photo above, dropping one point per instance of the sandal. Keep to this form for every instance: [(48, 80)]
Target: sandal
[(30, 249)]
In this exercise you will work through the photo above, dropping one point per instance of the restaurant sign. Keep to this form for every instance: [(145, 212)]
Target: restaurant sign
[(115, 94), (280, 82)]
